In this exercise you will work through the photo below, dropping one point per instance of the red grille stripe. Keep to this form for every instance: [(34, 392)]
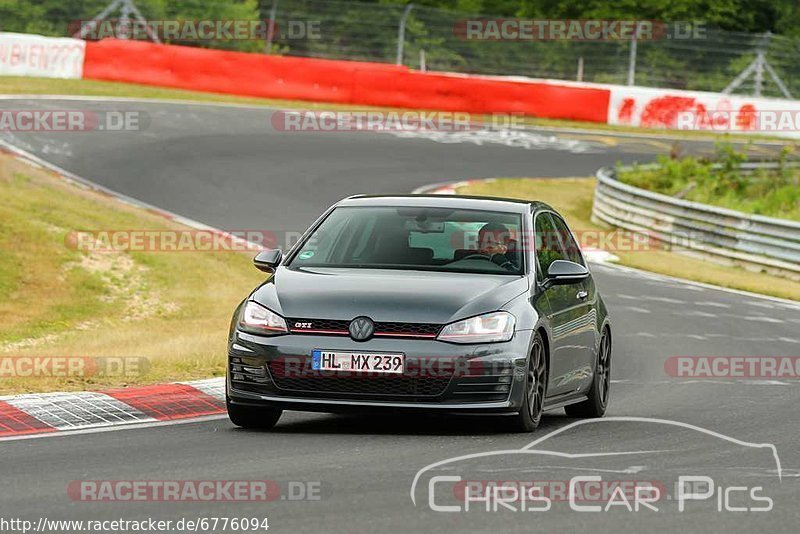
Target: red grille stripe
[(346, 333)]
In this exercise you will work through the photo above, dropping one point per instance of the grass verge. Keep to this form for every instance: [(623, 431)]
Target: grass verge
[(47, 86), (170, 309), (572, 197)]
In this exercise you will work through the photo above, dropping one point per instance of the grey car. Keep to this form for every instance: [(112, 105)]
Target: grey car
[(423, 302)]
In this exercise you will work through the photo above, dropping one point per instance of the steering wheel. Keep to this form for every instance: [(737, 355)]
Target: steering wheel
[(477, 256), (505, 263)]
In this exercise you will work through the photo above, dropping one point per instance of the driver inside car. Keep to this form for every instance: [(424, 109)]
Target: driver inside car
[(495, 243)]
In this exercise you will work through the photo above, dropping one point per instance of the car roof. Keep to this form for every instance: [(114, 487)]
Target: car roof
[(447, 201)]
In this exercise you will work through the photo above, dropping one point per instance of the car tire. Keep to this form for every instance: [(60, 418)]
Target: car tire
[(530, 416), (251, 417), (599, 394)]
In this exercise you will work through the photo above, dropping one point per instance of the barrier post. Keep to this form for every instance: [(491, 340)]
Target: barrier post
[(401, 33)]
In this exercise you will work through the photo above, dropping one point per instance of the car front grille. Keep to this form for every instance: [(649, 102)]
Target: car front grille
[(304, 380), (336, 327), (474, 383)]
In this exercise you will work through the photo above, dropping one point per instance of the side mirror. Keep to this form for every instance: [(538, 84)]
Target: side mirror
[(268, 260), (563, 272)]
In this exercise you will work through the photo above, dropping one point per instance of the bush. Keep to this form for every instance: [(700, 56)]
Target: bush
[(718, 181)]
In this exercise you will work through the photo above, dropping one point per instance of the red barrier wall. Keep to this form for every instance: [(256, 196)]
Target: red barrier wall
[(349, 82)]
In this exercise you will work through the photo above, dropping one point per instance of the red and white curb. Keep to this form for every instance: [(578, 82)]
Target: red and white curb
[(594, 255), (46, 413)]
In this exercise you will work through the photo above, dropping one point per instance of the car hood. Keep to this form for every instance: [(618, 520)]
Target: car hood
[(386, 295)]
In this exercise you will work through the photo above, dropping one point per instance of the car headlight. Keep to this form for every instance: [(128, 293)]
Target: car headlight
[(257, 319), (489, 328)]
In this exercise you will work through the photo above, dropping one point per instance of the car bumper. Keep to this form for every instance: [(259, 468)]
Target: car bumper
[(274, 371)]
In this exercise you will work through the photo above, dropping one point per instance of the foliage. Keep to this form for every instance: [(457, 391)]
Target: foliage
[(720, 182)]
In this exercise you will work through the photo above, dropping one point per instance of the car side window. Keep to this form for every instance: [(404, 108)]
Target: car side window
[(548, 244), (570, 247)]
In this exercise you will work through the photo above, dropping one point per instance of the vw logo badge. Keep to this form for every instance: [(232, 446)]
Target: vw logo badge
[(361, 328)]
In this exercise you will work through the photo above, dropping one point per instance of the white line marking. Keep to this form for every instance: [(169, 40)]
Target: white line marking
[(635, 309), (663, 299), (766, 305), (763, 319), (695, 313), (712, 304)]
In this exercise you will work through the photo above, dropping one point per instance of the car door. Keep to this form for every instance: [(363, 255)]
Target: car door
[(568, 310), (584, 298)]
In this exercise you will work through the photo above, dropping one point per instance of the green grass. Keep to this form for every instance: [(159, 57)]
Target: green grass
[(573, 197), (47, 86), (768, 193), (172, 308)]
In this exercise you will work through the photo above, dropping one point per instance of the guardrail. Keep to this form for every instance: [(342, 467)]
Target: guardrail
[(752, 241)]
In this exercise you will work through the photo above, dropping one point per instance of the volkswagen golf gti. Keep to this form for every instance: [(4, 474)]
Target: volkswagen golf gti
[(423, 302)]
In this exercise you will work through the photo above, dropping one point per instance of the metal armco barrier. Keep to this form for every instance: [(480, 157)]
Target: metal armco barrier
[(753, 241)]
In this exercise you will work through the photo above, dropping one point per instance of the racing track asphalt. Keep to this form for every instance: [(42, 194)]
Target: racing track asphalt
[(229, 168)]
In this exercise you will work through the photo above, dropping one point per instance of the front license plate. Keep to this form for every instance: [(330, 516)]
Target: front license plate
[(359, 362)]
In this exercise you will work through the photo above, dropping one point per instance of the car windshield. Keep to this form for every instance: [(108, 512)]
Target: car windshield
[(415, 238)]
